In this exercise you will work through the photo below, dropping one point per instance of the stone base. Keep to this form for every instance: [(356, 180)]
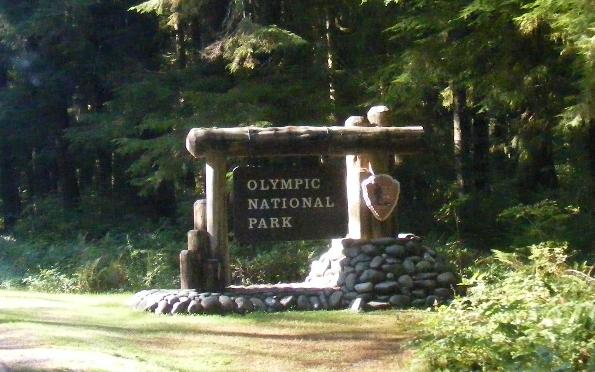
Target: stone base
[(358, 274)]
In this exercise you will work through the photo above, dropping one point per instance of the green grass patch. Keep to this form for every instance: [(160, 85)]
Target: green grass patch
[(333, 340)]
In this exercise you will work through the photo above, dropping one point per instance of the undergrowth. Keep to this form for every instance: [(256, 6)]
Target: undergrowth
[(529, 312)]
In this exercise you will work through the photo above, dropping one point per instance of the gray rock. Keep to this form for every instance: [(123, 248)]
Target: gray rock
[(424, 266), (303, 303), (151, 306), (432, 300), (376, 262), (194, 307), (341, 279), (364, 287), (323, 301), (428, 257), (244, 305), (446, 279), (415, 259), (227, 304), (391, 260), (426, 284), (390, 276), (211, 304), (419, 302), (396, 250), (372, 275), (443, 292), (287, 301), (350, 281), (383, 298), (361, 266), (357, 305), (430, 251), (179, 308), (413, 246), (377, 305), (369, 249), (172, 299), (258, 304), (386, 287), (409, 266), (351, 251), (388, 268), (272, 303), (423, 276), (405, 281), (359, 258), (418, 293), (383, 241), (334, 299), (352, 295), (348, 269), (163, 307), (400, 300), (315, 302)]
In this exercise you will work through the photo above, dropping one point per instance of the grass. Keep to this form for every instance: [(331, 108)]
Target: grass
[(104, 325)]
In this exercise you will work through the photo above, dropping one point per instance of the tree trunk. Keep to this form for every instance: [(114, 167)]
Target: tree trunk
[(9, 191), (181, 45), (461, 140), (481, 148), (67, 172), (104, 172), (331, 64)]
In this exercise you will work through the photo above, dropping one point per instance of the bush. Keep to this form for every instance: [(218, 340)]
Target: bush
[(521, 314), (51, 280), (273, 263)]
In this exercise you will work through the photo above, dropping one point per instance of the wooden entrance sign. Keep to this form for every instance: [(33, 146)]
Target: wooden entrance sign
[(368, 145)]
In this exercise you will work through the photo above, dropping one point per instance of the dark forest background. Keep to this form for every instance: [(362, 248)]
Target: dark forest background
[(97, 96)]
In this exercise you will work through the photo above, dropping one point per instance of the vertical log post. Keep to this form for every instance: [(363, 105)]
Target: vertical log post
[(191, 259), (356, 171), (216, 207), (379, 162)]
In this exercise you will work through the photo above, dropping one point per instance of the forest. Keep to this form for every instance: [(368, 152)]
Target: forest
[(97, 97)]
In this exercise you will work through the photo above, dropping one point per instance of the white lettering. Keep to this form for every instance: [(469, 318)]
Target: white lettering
[(307, 202), (252, 203), (329, 203), (286, 184), (287, 222), (294, 202), (252, 185), (318, 203), (264, 204), (316, 183), (274, 223), (251, 222), (262, 224)]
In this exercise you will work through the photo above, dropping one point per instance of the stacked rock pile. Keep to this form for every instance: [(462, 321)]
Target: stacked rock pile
[(238, 300), (380, 273), (400, 271)]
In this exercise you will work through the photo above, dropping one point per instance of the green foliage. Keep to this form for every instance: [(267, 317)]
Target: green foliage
[(521, 313), (273, 263), (253, 45), (51, 280), (545, 220)]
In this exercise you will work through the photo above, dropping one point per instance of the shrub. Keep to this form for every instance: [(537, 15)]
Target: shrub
[(521, 314), (51, 280)]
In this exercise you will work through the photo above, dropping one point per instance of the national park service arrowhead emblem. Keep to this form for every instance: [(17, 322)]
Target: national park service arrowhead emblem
[(381, 194)]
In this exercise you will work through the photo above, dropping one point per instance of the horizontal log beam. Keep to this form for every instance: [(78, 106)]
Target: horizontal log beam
[(303, 140)]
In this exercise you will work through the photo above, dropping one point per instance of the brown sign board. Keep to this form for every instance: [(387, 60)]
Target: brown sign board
[(288, 204)]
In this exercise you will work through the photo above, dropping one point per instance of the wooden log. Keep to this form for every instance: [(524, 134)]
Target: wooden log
[(379, 163), (356, 172), (190, 269), (212, 278), (217, 213), (200, 214), (289, 141), (198, 240)]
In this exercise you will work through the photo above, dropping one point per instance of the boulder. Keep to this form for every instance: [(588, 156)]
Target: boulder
[(364, 287)]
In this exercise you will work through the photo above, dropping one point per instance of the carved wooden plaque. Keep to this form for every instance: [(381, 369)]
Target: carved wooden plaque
[(381, 194)]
